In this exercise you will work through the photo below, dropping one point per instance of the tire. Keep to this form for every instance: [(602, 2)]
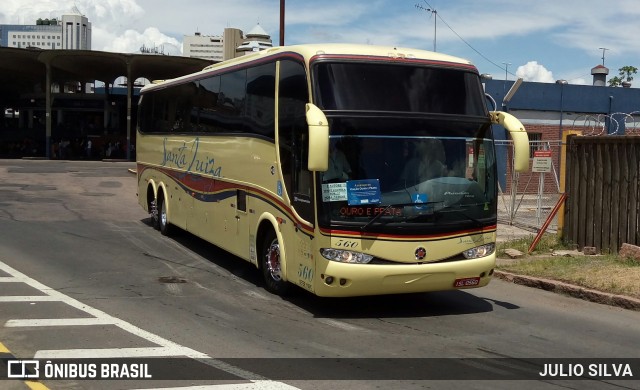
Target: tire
[(163, 218), (153, 210), (271, 266)]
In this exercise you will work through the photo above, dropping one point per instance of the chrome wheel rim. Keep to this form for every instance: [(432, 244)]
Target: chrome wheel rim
[(163, 215), (273, 261)]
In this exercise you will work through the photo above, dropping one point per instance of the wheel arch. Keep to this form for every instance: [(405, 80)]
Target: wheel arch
[(268, 222), (163, 194), (152, 191)]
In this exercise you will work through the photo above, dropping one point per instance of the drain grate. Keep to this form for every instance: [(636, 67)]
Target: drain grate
[(171, 279)]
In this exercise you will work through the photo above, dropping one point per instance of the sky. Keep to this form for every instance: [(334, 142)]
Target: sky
[(542, 41)]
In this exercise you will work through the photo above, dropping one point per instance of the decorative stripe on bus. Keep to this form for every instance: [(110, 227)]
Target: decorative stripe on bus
[(216, 71), (356, 57), (411, 238), (195, 186), (208, 189)]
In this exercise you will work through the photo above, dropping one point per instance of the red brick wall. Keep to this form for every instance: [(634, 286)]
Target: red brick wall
[(529, 181)]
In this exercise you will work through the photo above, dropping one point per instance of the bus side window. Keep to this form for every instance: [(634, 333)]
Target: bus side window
[(260, 100), (293, 136)]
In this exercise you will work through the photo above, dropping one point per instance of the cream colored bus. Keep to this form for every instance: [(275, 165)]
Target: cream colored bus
[(343, 169)]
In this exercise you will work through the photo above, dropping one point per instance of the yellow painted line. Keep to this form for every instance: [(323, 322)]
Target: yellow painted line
[(33, 385)]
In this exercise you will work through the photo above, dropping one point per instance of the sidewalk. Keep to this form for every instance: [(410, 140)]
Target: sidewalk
[(510, 233)]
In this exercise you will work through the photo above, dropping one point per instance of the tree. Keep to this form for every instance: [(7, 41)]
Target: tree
[(625, 76)]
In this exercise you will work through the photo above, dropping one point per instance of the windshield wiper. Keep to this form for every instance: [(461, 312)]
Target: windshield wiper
[(375, 218), (449, 209)]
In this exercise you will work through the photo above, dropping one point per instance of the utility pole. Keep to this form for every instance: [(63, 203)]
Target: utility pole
[(281, 22), (434, 13), (506, 76)]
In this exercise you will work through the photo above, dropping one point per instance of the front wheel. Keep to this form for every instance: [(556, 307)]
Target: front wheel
[(271, 265)]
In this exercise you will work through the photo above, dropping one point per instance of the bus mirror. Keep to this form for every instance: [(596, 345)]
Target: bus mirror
[(318, 139), (518, 135)]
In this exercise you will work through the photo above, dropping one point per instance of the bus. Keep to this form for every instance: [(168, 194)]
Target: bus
[(346, 170)]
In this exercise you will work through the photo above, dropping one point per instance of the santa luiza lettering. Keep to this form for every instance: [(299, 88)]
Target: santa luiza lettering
[(187, 157)]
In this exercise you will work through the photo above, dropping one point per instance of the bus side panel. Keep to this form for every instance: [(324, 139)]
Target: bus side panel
[(301, 263)]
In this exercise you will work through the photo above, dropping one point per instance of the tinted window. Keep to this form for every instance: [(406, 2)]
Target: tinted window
[(293, 136), (399, 88), (169, 110), (260, 100), (208, 102), (231, 101), (242, 101)]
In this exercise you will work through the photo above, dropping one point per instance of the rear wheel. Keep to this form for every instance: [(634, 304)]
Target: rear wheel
[(163, 219), (155, 216), (272, 266)]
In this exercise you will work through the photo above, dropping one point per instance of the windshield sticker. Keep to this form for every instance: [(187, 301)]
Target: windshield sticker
[(481, 159), (334, 192), (360, 192), (419, 198)]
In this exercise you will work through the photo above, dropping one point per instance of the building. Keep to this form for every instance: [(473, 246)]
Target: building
[(230, 44), (257, 39), (547, 110), (71, 32), (203, 46)]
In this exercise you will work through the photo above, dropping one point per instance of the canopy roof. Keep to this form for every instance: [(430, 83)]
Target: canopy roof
[(23, 70)]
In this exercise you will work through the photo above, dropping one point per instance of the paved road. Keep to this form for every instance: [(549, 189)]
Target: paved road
[(82, 274)]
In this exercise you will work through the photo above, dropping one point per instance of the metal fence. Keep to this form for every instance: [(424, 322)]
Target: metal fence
[(527, 199)]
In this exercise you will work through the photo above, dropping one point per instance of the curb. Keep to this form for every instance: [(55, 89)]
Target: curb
[(571, 290)]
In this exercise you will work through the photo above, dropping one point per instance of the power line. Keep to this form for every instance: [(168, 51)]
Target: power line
[(467, 43)]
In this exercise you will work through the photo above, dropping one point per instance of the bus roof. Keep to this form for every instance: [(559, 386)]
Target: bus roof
[(329, 49)]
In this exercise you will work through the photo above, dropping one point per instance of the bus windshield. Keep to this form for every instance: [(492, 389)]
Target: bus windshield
[(412, 152)]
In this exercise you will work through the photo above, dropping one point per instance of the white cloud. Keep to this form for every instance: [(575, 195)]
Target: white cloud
[(131, 41), (111, 22), (532, 71)]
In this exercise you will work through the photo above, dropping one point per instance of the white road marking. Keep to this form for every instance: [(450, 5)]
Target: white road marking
[(254, 385), (341, 325), (166, 347), (58, 322), (171, 348), (105, 353), (29, 298)]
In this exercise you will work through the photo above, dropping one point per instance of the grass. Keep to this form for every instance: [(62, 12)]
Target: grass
[(607, 273)]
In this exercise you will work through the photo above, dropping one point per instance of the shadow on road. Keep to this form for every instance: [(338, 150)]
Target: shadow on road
[(442, 303)]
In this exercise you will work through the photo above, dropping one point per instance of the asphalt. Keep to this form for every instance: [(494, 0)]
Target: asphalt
[(509, 233)]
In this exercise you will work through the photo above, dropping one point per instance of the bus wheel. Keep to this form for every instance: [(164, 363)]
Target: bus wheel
[(153, 210), (271, 266), (163, 220)]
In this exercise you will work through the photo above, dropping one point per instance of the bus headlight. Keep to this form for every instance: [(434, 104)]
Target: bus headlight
[(343, 256), (479, 251)]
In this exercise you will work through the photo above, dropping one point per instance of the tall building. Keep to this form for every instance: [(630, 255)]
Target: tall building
[(257, 39), (203, 46), (229, 45), (72, 31)]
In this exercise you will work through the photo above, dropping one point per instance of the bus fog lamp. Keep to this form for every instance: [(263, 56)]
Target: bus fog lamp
[(343, 256), (479, 251)]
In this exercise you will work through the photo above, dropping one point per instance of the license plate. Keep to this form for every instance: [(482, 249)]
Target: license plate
[(467, 282)]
